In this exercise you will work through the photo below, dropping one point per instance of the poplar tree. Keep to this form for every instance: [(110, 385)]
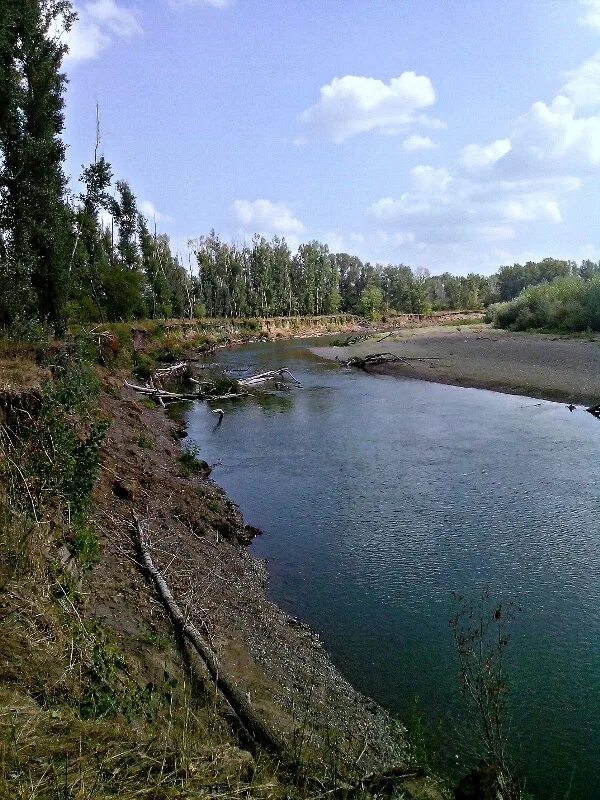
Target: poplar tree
[(35, 222)]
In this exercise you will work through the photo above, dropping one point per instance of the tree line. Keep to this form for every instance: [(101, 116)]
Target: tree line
[(92, 256)]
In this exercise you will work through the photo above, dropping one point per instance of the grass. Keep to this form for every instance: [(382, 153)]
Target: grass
[(460, 323), (86, 546), (145, 441)]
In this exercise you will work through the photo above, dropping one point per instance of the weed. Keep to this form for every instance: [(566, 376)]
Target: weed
[(86, 546), (144, 365), (417, 736), (145, 441), (157, 641), (192, 464), (52, 462), (480, 630)]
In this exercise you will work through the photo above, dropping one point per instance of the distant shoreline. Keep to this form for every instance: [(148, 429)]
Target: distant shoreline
[(478, 356)]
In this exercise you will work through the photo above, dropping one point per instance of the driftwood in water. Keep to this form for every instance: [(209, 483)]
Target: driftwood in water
[(258, 729), (161, 394), (179, 370), (374, 359), (263, 377), (594, 411)]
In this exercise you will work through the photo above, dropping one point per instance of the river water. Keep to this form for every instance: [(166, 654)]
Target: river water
[(379, 497)]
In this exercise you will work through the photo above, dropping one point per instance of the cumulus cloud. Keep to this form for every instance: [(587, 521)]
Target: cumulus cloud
[(591, 13), (267, 217), (416, 142), (583, 84), (353, 104), (475, 155), (149, 210), (496, 189), (99, 23)]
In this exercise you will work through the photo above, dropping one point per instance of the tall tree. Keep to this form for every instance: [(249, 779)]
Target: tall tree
[(35, 222)]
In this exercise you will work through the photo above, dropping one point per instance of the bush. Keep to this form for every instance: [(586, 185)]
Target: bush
[(567, 305)]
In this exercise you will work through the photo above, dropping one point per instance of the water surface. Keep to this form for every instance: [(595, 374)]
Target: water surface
[(380, 496)]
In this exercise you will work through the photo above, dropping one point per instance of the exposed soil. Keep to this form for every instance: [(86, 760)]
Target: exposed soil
[(536, 365), (197, 537)]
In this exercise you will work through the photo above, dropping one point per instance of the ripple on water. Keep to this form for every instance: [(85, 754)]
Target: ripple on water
[(379, 497)]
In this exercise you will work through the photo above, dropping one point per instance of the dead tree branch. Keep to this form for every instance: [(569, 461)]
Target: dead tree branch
[(257, 727)]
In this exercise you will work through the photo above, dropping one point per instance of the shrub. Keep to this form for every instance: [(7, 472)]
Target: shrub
[(567, 305)]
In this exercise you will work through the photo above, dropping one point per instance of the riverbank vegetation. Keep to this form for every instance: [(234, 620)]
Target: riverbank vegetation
[(88, 254), (567, 305)]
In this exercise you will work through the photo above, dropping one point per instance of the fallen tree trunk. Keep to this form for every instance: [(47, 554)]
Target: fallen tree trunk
[(162, 394), (263, 377), (374, 359), (174, 371), (257, 728)]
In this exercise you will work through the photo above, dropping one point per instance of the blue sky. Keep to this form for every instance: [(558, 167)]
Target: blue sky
[(449, 134)]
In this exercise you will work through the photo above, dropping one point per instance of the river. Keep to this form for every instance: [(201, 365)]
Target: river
[(379, 497)]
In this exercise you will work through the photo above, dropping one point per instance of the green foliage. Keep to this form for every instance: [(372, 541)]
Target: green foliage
[(108, 690), (85, 545), (418, 736), (480, 629), (53, 462), (144, 365), (371, 302), (567, 304), (192, 464), (35, 222), (145, 441), (512, 280)]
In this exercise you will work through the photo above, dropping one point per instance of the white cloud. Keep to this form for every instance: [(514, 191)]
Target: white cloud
[(500, 189), (355, 104), (99, 23), (429, 179), (591, 15), (149, 210), (266, 217), (475, 155), (583, 84), (335, 241), (416, 142)]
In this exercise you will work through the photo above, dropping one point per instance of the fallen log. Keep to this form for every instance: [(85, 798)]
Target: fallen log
[(162, 394), (374, 359), (256, 727), (173, 371), (263, 377)]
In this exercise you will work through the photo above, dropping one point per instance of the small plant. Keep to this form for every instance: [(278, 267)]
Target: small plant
[(417, 736), (480, 631), (157, 641), (86, 546), (192, 464), (144, 365), (145, 441)]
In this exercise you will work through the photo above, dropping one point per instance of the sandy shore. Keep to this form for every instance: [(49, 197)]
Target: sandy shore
[(535, 365)]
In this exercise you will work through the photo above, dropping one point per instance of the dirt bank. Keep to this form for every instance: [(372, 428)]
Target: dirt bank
[(535, 365), (198, 539)]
